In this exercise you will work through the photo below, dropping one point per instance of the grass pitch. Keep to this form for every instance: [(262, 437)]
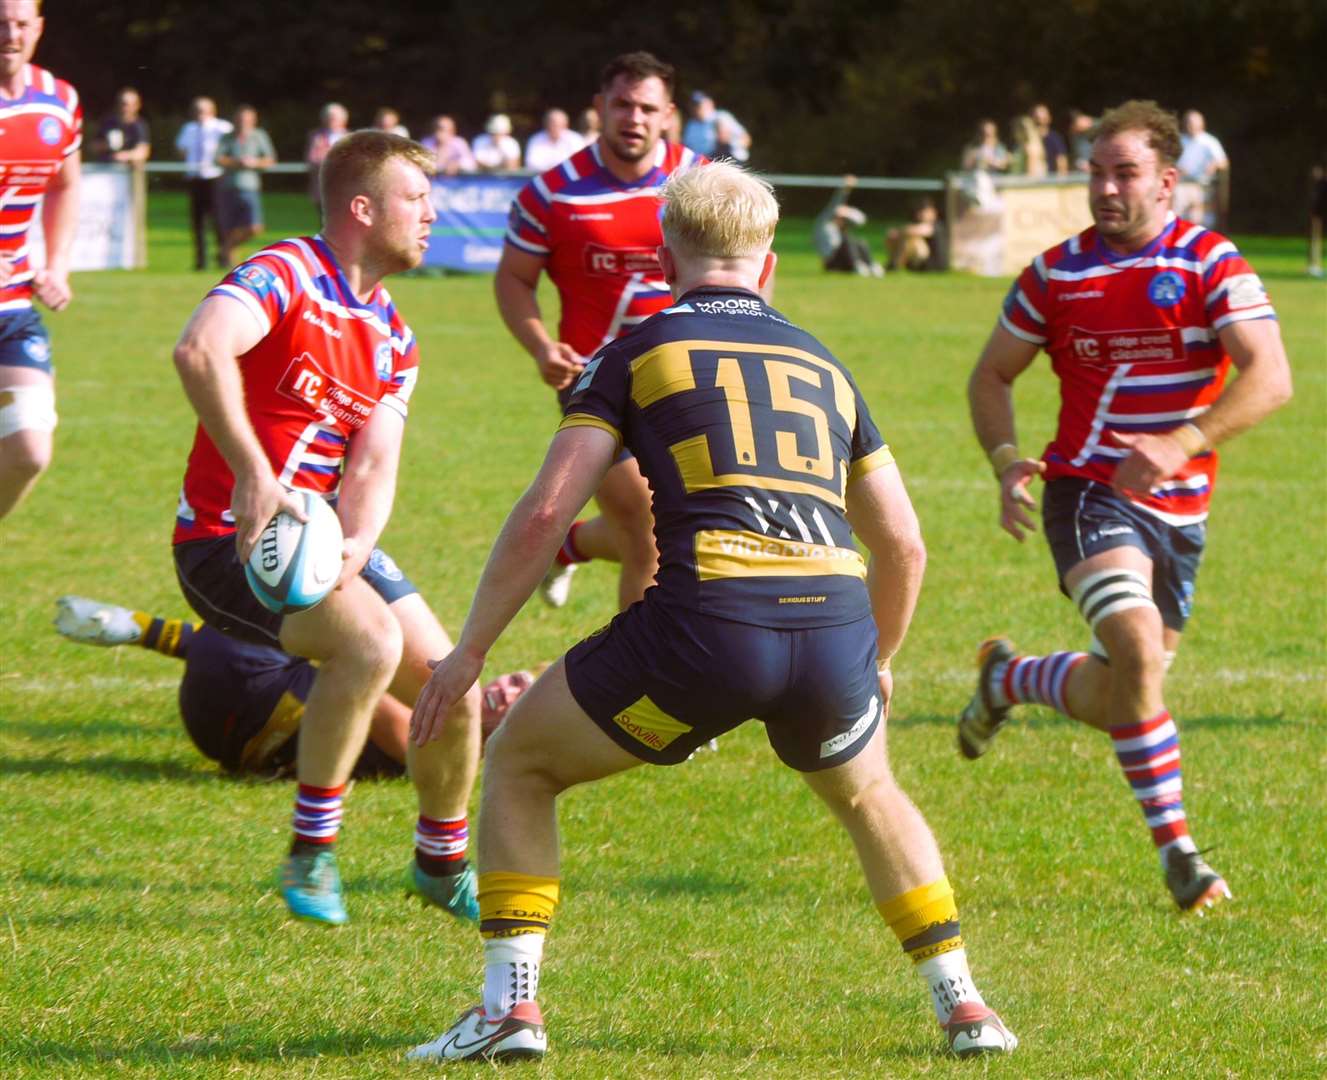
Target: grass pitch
[(714, 923)]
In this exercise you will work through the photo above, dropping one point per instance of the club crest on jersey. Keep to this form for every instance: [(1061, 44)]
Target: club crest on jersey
[(257, 279), (587, 376), (382, 361), (50, 131), (1166, 289)]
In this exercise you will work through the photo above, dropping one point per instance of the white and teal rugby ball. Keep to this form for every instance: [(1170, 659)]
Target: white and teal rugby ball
[(295, 564)]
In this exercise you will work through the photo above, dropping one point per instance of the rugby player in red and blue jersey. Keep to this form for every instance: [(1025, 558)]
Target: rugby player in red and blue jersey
[(41, 133), (593, 224), (764, 462), (1142, 316), (300, 370)]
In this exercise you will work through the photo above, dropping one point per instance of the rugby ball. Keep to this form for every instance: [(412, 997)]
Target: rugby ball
[(295, 564)]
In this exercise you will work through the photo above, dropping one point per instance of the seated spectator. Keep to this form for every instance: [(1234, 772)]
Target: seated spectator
[(388, 119), (1080, 139), (839, 249), (922, 244), (1029, 158), (450, 151), (123, 135), (243, 153), (1317, 212), (1052, 142), (496, 150), (334, 125), (986, 152), (553, 143), (589, 124)]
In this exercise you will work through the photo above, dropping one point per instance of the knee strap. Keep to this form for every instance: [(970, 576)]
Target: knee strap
[(30, 407), (1108, 592)]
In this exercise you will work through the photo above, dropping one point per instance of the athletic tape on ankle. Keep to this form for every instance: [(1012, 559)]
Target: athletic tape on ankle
[(1108, 592), (27, 408)]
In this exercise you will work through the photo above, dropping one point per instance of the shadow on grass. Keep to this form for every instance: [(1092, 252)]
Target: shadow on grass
[(44, 729), (110, 768), (699, 1046), (692, 884), (229, 1045)]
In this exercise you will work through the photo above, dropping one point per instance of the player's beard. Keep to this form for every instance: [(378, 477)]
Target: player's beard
[(629, 153)]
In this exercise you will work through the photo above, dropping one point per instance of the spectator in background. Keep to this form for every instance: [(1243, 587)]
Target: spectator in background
[(589, 124), (1317, 211), (243, 154), (1029, 157), (123, 135), (1080, 139), (922, 244), (553, 143), (986, 152), (1203, 162), (389, 120), (496, 150), (839, 249), (334, 124), (715, 132), (1052, 142), (197, 144), (451, 153)]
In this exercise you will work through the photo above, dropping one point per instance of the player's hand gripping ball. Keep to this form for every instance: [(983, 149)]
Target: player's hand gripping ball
[(295, 564)]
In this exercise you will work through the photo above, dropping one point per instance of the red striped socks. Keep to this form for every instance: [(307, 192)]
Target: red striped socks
[(440, 845), (1149, 754), (1035, 680), (317, 815), (569, 553)]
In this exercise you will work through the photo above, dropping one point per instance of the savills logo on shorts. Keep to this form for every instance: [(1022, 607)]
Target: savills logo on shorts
[(649, 725)]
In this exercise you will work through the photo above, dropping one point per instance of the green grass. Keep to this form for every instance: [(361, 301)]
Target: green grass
[(714, 923)]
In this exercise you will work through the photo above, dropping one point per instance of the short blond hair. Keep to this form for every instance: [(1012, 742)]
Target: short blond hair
[(355, 163), (719, 211)]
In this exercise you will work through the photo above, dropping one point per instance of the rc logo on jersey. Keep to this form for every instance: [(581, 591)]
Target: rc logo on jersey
[(50, 131), (382, 361), (1166, 289)]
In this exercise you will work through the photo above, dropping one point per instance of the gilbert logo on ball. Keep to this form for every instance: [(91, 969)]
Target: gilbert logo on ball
[(294, 565)]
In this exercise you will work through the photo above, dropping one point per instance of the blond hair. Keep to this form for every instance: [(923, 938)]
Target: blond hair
[(719, 211), (354, 165)]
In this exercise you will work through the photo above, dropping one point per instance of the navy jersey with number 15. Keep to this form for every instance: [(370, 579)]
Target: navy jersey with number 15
[(748, 431)]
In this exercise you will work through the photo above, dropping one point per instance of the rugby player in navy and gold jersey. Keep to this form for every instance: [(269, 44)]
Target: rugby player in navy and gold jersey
[(760, 451)]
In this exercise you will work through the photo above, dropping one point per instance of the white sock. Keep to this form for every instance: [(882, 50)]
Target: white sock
[(511, 972), (950, 982)]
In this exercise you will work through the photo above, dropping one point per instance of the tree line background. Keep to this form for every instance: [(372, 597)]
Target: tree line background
[(874, 87)]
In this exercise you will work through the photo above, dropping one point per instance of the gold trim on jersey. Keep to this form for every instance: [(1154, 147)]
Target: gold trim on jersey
[(280, 726), (573, 420), (876, 459), (648, 724), (736, 553)]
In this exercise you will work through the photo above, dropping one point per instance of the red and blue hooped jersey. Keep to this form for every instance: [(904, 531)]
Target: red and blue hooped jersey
[(1133, 340), (38, 130), (599, 236), (325, 362)]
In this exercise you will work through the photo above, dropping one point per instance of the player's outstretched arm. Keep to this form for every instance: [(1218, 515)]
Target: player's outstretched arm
[(572, 471), (59, 222), (881, 514), (515, 285), (206, 357), (368, 488), (991, 403), (1263, 386)]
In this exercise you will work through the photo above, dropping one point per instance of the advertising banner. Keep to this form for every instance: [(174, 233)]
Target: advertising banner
[(111, 233), (472, 218)]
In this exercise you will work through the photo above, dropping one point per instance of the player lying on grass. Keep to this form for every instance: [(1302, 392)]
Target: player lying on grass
[(759, 450), (301, 369), (1142, 315), (241, 704)]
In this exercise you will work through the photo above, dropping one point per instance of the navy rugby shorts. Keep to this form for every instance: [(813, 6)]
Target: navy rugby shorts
[(662, 681), (1083, 518), (212, 579), (234, 703), (24, 341)]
